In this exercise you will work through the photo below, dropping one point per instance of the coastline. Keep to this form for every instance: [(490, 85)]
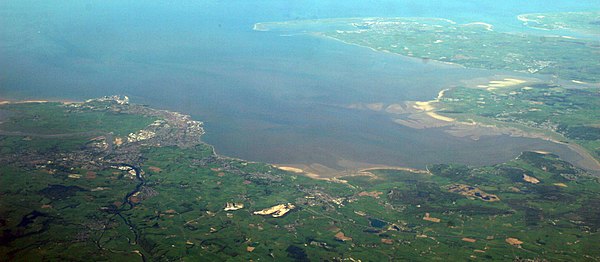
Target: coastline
[(438, 62), (320, 172), (587, 161), (8, 102), (422, 114), (63, 101), (428, 109)]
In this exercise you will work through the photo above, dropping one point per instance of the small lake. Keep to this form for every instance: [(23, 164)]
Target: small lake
[(376, 223)]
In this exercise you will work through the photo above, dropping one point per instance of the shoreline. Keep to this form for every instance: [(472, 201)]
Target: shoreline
[(333, 175), (587, 162), (427, 109), (8, 102), (62, 101), (438, 62)]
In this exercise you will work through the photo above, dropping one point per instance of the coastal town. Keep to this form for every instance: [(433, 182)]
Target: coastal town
[(338, 131), (105, 150), (155, 190)]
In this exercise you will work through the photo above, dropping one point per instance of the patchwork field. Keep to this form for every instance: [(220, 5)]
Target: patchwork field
[(167, 196)]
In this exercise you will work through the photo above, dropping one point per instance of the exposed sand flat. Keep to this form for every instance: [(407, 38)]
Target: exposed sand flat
[(486, 25), (412, 123), (484, 82), (64, 101), (541, 152), (412, 170), (398, 109), (418, 119), (355, 106), (428, 105), (425, 106), (314, 171), (507, 82), (23, 102), (523, 18), (579, 82), (371, 106), (290, 169), (440, 117), (588, 162), (428, 108), (514, 80), (260, 27), (421, 114), (441, 94), (375, 106), (34, 101), (323, 175), (348, 168)]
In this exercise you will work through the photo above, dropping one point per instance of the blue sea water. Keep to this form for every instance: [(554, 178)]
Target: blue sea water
[(264, 96)]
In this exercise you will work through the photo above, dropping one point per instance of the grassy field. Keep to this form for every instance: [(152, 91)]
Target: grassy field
[(583, 22), (47, 213), (562, 113), (473, 45)]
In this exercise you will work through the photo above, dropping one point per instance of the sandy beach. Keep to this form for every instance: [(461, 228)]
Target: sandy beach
[(485, 25), (429, 109), (423, 115), (5, 102), (64, 101), (506, 82)]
